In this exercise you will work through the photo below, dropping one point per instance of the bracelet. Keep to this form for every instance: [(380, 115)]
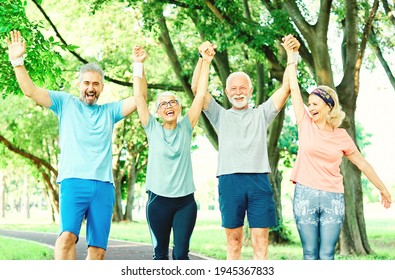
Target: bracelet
[(289, 63), (296, 57), (17, 62), (138, 69)]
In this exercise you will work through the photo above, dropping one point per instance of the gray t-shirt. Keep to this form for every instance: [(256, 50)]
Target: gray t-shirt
[(242, 143)]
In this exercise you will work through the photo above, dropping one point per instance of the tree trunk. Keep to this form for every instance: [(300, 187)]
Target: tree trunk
[(52, 193), (118, 174), (130, 197), (353, 237), (277, 234), (48, 172), (48, 201), (26, 201), (2, 194)]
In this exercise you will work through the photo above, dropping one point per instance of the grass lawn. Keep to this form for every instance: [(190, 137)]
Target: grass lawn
[(16, 249)]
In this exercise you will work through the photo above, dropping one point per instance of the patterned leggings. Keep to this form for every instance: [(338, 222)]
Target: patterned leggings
[(319, 217)]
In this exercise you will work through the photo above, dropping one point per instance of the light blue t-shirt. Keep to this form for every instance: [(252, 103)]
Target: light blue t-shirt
[(169, 170), (85, 137), (242, 143)]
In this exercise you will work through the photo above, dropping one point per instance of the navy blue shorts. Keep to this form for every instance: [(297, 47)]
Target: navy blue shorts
[(92, 199), (246, 192)]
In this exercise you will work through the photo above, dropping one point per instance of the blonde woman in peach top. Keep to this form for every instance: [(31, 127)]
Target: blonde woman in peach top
[(318, 203)]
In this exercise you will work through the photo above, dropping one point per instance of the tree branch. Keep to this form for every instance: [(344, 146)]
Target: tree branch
[(165, 40), (388, 11), (34, 159), (84, 61), (365, 37), (304, 27), (376, 48), (323, 17), (297, 18), (270, 56)]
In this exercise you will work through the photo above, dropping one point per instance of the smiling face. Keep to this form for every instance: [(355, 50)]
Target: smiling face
[(90, 87), (238, 91), (168, 108), (318, 109)]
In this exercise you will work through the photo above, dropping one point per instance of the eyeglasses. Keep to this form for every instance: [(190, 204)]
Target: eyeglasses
[(165, 104)]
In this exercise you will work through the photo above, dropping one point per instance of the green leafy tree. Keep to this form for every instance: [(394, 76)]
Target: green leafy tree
[(247, 34), (30, 131)]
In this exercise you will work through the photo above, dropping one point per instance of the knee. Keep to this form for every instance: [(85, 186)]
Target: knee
[(66, 239), (95, 253), (310, 253), (327, 254), (235, 243)]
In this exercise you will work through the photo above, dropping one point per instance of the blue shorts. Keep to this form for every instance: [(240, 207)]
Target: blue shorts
[(246, 192), (91, 199)]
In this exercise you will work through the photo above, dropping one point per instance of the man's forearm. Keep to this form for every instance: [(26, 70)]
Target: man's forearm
[(24, 81)]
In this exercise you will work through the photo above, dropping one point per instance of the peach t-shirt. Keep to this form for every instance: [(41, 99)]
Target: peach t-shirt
[(319, 156)]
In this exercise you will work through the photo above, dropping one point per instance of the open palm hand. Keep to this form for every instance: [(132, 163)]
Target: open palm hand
[(16, 46)]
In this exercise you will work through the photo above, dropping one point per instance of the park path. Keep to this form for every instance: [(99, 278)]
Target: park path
[(116, 250)]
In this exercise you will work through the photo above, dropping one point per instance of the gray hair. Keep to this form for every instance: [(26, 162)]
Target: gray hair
[(165, 93), (235, 74), (91, 67)]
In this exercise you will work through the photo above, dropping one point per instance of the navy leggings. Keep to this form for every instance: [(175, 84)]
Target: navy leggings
[(165, 214)]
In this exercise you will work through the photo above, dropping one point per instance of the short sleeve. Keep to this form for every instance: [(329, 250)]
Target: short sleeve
[(212, 112), (58, 99), (185, 123), (116, 110), (268, 110), (150, 125), (349, 144)]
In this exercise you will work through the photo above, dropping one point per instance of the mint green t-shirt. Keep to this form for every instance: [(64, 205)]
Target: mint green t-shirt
[(169, 170)]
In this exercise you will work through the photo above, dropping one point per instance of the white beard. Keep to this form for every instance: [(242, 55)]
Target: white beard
[(239, 104)]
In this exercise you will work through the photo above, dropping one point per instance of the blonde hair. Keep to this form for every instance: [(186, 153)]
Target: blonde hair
[(336, 114)]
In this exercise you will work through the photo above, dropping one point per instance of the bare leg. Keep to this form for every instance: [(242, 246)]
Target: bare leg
[(234, 238), (95, 253), (65, 246), (260, 243)]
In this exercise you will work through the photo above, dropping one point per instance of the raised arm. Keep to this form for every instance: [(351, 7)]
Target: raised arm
[(140, 84), (16, 51), (372, 176), (196, 74), (280, 96), (291, 45), (129, 105), (200, 75)]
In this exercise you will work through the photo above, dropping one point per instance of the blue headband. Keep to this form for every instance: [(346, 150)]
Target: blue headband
[(324, 96)]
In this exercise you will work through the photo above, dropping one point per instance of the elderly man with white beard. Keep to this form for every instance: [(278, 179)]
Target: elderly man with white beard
[(85, 167), (243, 164)]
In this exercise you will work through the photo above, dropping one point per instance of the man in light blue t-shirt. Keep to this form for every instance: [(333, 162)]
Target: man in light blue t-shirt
[(85, 166)]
